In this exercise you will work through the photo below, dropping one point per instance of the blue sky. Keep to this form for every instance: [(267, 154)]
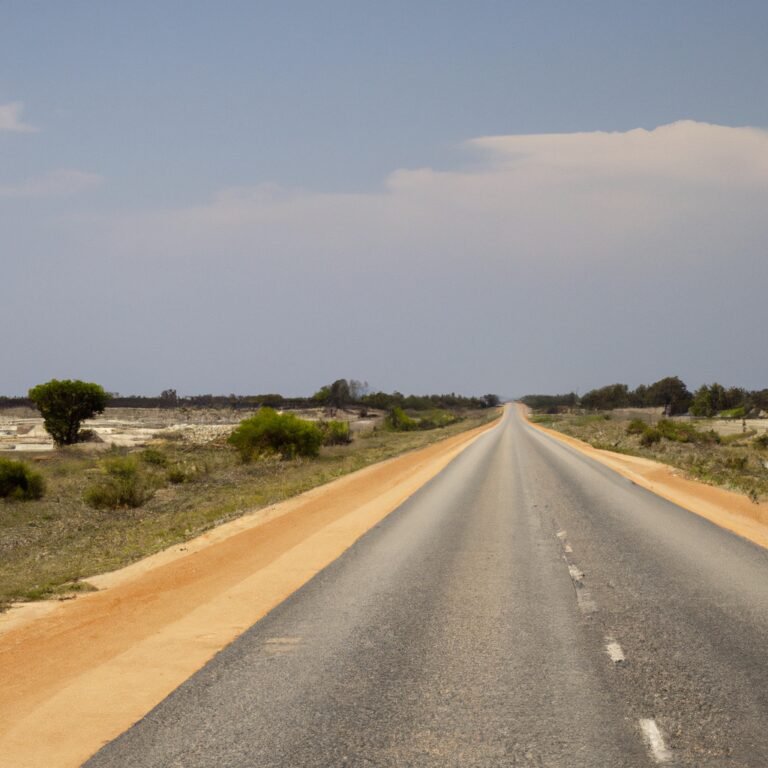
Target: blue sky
[(126, 127)]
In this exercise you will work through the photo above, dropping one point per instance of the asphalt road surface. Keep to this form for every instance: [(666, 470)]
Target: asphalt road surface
[(527, 607)]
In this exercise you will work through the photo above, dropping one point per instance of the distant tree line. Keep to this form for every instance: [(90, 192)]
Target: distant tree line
[(669, 393), (340, 394)]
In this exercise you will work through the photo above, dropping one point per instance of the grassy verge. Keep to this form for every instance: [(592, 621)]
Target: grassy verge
[(738, 462), (49, 547)]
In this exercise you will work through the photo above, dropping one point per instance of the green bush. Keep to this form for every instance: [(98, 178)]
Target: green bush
[(18, 481), (682, 432), (636, 427), (272, 432), (738, 463), (733, 413), (762, 440), (650, 436), (154, 457), (437, 418), (335, 432), (398, 420), (124, 485), (177, 474), (185, 472)]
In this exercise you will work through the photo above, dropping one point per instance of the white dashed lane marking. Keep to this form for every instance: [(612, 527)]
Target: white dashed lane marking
[(614, 650), (655, 741)]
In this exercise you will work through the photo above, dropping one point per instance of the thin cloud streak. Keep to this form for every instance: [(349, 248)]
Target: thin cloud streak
[(557, 199), (10, 119), (64, 182)]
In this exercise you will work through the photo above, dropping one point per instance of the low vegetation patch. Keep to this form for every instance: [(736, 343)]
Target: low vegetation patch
[(399, 420), (124, 484), (335, 432), (735, 461), (19, 482), (281, 433), (88, 521)]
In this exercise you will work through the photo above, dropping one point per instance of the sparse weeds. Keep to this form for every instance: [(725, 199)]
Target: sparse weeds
[(124, 485), (47, 544), (335, 432), (154, 457), (733, 461)]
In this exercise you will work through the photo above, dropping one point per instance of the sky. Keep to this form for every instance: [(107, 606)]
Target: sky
[(509, 197)]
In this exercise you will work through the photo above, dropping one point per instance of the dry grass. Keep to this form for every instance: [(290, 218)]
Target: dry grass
[(51, 546), (738, 461)]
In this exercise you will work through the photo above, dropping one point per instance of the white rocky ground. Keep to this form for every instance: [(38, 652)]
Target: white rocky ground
[(21, 429)]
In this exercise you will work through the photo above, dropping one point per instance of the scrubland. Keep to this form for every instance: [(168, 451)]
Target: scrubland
[(103, 509), (720, 452)]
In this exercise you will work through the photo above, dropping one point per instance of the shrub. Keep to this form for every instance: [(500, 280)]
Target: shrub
[(154, 457), (177, 474), (733, 413), (739, 463), (124, 485), (335, 432), (681, 432), (636, 427), (650, 436), (18, 481), (762, 440), (437, 418), (400, 421), (184, 472), (272, 432)]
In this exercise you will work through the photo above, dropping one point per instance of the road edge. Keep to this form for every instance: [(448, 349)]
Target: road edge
[(726, 509)]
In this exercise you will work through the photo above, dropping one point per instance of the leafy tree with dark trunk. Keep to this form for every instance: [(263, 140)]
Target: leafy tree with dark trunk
[(339, 394), (670, 392), (65, 404)]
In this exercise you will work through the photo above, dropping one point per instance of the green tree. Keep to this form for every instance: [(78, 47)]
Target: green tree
[(703, 401), (65, 404), (606, 398), (339, 394), (670, 392)]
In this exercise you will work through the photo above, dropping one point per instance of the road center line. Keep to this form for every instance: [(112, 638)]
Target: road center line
[(655, 741)]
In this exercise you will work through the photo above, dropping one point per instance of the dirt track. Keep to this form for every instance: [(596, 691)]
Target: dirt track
[(76, 674)]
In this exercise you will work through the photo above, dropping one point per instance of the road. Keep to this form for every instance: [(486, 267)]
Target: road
[(527, 607)]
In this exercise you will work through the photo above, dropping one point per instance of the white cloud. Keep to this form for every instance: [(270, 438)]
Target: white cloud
[(641, 197), (10, 119), (686, 150), (575, 258), (61, 183)]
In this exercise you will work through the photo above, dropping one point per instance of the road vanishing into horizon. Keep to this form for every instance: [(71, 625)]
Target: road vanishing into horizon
[(527, 607)]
